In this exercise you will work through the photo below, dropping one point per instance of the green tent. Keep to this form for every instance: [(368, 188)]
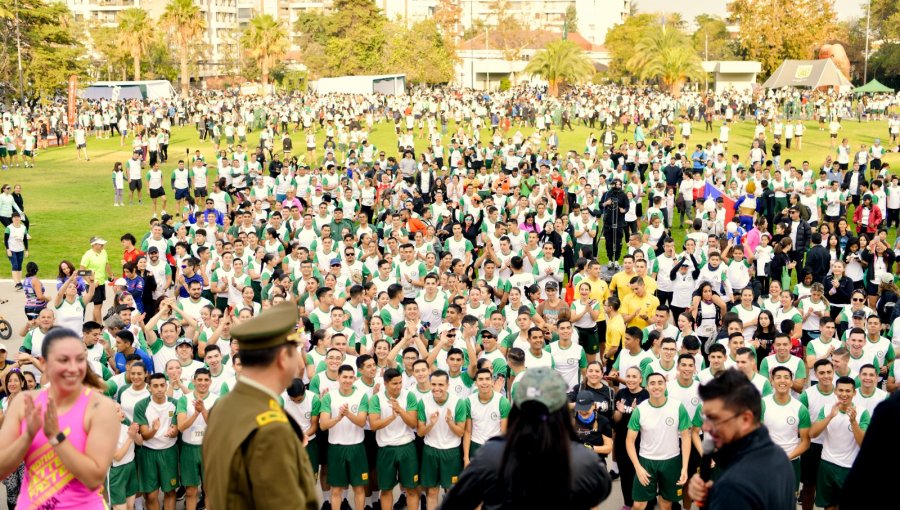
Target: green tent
[(873, 87)]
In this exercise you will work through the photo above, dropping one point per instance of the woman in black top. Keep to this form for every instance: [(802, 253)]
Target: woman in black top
[(764, 335), (594, 385), (838, 287), (593, 429), (626, 401)]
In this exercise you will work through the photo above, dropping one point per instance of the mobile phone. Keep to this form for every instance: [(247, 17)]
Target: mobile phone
[(84, 272)]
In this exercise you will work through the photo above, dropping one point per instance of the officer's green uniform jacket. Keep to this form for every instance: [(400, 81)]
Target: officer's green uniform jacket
[(253, 455)]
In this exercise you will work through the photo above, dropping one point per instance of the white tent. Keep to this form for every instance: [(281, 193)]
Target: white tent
[(150, 89), (390, 84), (807, 73)]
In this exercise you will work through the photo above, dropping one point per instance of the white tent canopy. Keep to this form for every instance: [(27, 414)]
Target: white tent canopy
[(807, 73), (150, 89), (390, 84)]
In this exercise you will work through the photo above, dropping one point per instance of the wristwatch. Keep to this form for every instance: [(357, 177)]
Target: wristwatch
[(58, 438)]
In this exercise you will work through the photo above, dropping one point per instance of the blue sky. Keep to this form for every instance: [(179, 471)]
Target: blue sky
[(846, 9)]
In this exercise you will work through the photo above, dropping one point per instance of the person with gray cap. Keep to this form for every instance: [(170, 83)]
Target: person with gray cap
[(97, 261), (539, 462), (593, 429)]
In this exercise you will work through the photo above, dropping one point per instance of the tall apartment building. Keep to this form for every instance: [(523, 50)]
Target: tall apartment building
[(595, 17)]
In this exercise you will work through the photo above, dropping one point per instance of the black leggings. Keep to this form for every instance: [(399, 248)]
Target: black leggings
[(614, 239), (626, 471)]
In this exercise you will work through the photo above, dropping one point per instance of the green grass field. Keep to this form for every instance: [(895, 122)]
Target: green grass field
[(68, 201)]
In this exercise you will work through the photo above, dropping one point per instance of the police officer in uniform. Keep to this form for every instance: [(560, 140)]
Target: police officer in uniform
[(250, 441)]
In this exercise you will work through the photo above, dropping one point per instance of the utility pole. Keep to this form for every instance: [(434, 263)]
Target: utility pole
[(866, 59), (472, 50)]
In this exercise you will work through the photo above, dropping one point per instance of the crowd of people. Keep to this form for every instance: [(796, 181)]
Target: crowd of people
[(429, 280)]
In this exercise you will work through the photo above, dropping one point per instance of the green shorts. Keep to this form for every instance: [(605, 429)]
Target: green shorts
[(347, 465), (440, 468), (828, 486), (664, 476), (473, 449), (123, 482), (221, 303), (397, 464), (159, 469), (191, 463), (796, 465), (588, 340), (312, 450)]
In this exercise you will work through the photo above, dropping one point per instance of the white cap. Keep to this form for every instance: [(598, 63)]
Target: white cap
[(98, 240), (121, 281), (3, 348), (445, 326), (887, 278)]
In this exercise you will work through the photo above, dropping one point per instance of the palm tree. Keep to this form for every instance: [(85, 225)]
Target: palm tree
[(560, 62), (266, 40), (183, 19), (666, 55), (134, 34)]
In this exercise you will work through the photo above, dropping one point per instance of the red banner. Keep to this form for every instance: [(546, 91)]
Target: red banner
[(73, 88)]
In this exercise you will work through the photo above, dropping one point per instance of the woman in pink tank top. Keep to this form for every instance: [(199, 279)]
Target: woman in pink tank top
[(66, 433)]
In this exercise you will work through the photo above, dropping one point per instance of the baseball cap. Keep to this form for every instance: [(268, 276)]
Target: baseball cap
[(887, 278), (584, 402), (551, 285), (3, 348), (120, 281), (488, 331), (98, 240), (183, 341), (153, 249), (446, 326), (859, 314), (335, 262), (543, 385)]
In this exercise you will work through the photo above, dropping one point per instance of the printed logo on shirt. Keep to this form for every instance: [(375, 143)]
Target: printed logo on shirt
[(495, 416), (791, 420), (355, 409), (695, 401), (670, 421)]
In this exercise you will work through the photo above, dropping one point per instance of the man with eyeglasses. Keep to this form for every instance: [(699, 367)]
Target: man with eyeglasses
[(666, 364), (755, 472)]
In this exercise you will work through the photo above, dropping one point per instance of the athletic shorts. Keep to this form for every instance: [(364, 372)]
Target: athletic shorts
[(347, 465), (440, 468), (182, 193), (159, 469), (473, 449), (664, 476), (809, 464), (79, 147), (123, 482), (797, 467), (28, 154), (99, 295), (588, 339), (2, 152), (157, 192), (312, 451), (830, 481), (200, 191), (135, 184), (397, 464), (191, 463)]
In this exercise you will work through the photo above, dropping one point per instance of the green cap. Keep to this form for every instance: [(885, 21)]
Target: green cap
[(541, 384), (273, 327)]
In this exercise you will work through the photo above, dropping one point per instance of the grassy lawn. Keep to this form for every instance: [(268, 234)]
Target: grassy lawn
[(68, 201)]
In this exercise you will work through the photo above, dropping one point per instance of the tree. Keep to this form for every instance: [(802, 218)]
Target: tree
[(560, 62), (421, 53), (348, 39), (50, 45), (885, 21), (774, 32), (666, 55), (571, 19), (712, 39), (185, 23), (621, 41), (447, 15), (266, 40), (135, 34)]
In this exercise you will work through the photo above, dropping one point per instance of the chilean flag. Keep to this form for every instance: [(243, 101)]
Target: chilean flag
[(710, 191)]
